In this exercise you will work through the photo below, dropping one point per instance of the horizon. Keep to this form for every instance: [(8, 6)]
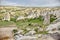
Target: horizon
[(31, 3)]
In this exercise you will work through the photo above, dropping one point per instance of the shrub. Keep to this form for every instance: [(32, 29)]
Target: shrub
[(15, 30), (13, 19)]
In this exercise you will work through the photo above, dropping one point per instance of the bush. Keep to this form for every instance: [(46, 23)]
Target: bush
[(13, 19), (15, 30)]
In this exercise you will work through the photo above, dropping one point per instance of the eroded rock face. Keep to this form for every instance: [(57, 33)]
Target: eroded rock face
[(46, 37), (53, 28), (54, 36), (6, 33)]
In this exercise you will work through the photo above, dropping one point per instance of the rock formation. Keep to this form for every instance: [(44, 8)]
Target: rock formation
[(7, 16), (46, 19)]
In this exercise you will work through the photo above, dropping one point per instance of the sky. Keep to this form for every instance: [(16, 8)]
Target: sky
[(32, 3)]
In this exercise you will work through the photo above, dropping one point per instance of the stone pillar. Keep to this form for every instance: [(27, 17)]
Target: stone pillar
[(7, 16), (58, 14), (46, 19)]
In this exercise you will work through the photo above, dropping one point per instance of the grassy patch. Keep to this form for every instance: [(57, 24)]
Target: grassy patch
[(23, 23), (6, 23)]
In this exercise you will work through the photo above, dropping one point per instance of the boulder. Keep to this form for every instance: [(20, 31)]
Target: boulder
[(20, 18), (30, 33), (6, 33)]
